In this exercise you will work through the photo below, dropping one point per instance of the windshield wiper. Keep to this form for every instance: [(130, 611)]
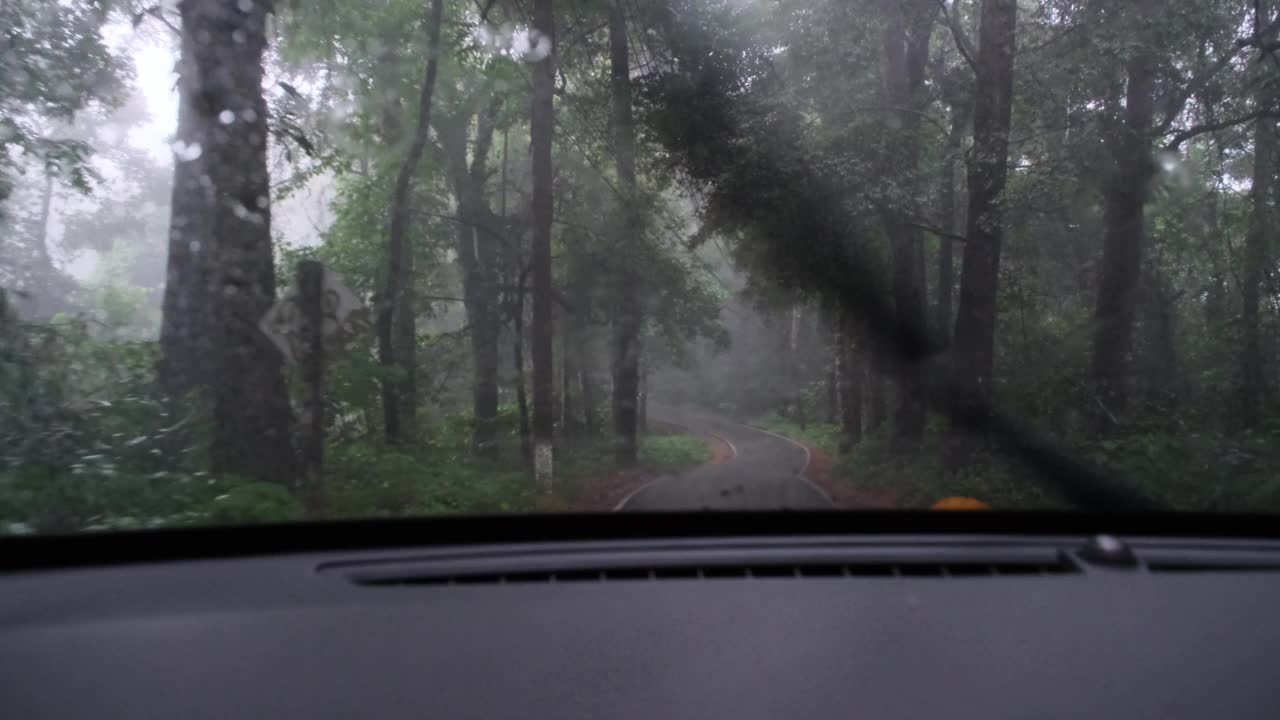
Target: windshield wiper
[(722, 135)]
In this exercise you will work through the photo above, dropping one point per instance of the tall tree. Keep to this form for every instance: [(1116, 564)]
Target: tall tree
[(974, 345), (1258, 247), (1126, 189), (906, 48), (478, 235), (541, 132), (185, 332), (850, 361), (627, 324), (224, 122), (959, 104), (396, 332)]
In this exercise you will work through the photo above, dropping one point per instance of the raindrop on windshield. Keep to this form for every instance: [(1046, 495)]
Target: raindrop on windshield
[(226, 117), (186, 152)]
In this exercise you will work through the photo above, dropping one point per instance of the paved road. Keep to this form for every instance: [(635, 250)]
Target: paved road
[(764, 473)]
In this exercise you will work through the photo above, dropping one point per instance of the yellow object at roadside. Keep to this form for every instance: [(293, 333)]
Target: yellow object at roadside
[(959, 503)]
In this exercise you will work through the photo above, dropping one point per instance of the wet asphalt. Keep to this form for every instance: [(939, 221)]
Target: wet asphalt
[(763, 474)]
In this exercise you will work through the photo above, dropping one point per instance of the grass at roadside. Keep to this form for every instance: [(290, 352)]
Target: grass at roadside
[(824, 436), (917, 478), (672, 453), (365, 482)]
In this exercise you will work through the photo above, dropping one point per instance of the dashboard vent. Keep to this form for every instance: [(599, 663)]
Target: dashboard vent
[(1062, 565)]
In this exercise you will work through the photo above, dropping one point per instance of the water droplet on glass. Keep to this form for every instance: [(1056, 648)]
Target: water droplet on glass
[(239, 36), (520, 43), (186, 152), (248, 115), (541, 49), (226, 117), (246, 6), (262, 201), (194, 246)]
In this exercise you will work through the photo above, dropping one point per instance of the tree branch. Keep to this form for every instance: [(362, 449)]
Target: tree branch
[(484, 12), (1175, 104), (937, 231), (963, 44), (1203, 128)]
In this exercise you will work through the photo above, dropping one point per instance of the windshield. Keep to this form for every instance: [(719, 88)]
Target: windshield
[(267, 262)]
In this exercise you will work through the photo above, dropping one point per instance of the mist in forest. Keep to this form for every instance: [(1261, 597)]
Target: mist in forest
[(266, 261)]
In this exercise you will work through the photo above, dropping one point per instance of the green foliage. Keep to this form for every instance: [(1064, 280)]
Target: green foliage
[(824, 436), (669, 453), (365, 480), (920, 479), (55, 64), (88, 442)]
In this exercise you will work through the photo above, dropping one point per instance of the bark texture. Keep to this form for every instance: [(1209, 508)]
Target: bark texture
[(541, 131), (1253, 387), (628, 319), (225, 224), (906, 50), (1125, 199), (396, 334), (974, 342)]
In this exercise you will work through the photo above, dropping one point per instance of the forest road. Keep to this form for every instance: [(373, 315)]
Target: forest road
[(765, 472)]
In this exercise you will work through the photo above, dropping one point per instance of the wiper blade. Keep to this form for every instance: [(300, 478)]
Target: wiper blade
[(723, 135)]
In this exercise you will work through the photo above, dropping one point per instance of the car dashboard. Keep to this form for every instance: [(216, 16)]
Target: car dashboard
[(816, 626)]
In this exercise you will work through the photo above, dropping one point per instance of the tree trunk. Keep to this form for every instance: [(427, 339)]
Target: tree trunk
[(642, 406), (628, 321), (831, 416), (517, 355), (186, 349), (541, 130), (1124, 204), (1160, 353), (482, 316), (226, 116), (50, 291), (590, 398), (1253, 386), (948, 223), (974, 344), (851, 374), (877, 403), (478, 256), (516, 263), (395, 316), (906, 47), (569, 425)]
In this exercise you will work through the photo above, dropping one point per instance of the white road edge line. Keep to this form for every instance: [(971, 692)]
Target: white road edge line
[(631, 495), (733, 449), (808, 457)]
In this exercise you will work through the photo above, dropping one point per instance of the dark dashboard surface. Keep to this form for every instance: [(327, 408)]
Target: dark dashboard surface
[(822, 627)]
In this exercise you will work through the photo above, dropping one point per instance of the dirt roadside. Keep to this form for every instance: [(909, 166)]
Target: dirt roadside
[(604, 494), (844, 497)]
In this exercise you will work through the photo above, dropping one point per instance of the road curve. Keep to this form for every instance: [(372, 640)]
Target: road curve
[(763, 474)]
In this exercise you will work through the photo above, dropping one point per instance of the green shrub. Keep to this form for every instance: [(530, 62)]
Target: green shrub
[(664, 453), (824, 436)]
